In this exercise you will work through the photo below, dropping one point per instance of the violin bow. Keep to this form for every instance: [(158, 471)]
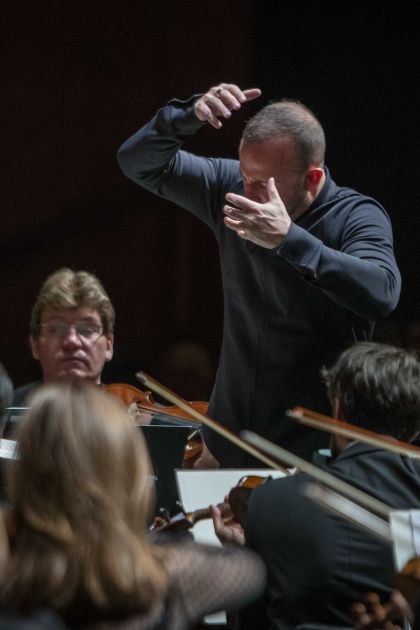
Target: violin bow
[(344, 488), (344, 508), (173, 398), (325, 423)]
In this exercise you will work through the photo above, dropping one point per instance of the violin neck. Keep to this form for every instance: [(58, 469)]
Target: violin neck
[(198, 515), (204, 513)]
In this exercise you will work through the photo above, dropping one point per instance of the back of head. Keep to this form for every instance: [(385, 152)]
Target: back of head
[(81, 494), (66, 288), (289, 119), (78, 441), (378, 387)]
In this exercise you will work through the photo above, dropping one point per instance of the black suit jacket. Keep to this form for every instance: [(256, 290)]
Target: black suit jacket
[(319, 564)]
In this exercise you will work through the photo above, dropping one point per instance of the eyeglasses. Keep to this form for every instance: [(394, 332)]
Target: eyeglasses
[(88, 332)]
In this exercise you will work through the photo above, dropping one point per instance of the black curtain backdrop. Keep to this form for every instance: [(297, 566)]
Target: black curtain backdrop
[(80, 77)]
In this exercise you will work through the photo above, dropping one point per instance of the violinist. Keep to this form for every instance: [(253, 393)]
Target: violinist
[(71, 330), (319, 564), (72, 337)]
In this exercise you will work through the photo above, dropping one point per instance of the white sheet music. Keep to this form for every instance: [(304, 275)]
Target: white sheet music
[(200, 488), (405, 529), (8, 449)]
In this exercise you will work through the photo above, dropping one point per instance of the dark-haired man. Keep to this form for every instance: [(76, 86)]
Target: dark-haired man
[(319, 564)]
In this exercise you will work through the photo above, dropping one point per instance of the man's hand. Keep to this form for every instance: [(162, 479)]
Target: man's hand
[(226, 529), (219, 101), (371, 613), (265, 224)]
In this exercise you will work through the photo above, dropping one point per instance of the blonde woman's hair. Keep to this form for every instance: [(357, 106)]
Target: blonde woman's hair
[(66, 288), (81, 494)]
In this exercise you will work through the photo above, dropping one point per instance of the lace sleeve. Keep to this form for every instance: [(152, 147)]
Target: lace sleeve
[(202, 580), (208, 579)]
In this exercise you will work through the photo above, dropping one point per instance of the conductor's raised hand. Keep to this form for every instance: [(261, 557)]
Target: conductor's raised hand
[(219, 102), (265, 224)]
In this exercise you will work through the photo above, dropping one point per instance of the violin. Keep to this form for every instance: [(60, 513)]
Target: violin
[(129, 395), (142, 406), (235, 507), (187, 520)]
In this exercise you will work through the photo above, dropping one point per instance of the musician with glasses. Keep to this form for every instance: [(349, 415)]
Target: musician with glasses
[(72, 337), (71, 329)]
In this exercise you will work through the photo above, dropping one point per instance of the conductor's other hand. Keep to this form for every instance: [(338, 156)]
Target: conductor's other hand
[(265, 224), (219, 101)]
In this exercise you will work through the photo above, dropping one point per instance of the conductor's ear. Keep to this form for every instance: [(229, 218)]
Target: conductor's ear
[(313, 177)]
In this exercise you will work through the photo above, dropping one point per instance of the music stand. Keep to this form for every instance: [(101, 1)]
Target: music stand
[(167, 449), (7, 455), (12, 419)]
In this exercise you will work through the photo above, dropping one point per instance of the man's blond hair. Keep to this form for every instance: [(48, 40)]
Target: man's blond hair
[(66, 288)]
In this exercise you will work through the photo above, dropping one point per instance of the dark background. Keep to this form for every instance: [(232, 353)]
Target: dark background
[(80, 77)]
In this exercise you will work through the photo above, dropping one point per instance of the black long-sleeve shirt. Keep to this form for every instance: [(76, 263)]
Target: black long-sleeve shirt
[(287, 311)]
